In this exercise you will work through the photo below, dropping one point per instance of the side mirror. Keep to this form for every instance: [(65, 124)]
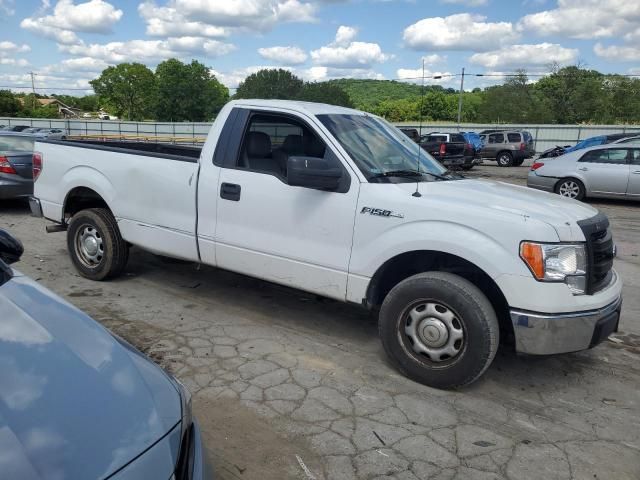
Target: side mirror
[(312, 172), (11, 248)]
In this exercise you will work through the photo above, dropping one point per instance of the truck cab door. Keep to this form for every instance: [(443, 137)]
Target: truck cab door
[(268, 229)]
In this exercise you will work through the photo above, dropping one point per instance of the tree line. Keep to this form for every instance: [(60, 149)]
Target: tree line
[(179, 91)]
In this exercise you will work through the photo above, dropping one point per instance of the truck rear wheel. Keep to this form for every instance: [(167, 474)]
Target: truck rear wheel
[(439, 329), (95, 245)]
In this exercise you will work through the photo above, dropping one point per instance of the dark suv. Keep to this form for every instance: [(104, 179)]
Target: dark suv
[(507, 147)]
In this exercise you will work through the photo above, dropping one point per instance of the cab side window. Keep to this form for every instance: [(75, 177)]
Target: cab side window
[(513, 137), (269, 141), (496, 138)]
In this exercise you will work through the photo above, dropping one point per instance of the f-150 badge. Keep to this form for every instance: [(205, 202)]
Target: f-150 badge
[(379, 212)]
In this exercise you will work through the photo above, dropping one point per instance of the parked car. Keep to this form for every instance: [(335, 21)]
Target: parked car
[(508, 148), (15, 128), (16, 173), (597, 140), (633, 139), (53, 133), (610, 171), (412, 133), (450, 149), (342, 204), (31, 130), (78, 402)]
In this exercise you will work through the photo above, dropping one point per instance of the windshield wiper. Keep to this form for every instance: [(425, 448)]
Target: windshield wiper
[(398, 173)]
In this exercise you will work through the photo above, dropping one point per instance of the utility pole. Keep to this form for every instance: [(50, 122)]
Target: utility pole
[(33, 87), (460, 97)]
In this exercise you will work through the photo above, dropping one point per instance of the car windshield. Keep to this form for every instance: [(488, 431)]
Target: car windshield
[(379, 149), (19, 144)]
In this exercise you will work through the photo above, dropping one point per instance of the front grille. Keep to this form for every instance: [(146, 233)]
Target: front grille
[(600, 252)]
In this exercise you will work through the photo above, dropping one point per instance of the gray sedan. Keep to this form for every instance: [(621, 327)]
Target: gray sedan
[(16, 167), (608, 171), (79, 403)]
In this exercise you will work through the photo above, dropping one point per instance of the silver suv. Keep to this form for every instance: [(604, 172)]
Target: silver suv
[(507, 147)]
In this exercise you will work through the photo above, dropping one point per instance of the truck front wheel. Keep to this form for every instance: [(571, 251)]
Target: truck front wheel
[(95, 245), (439, 329)]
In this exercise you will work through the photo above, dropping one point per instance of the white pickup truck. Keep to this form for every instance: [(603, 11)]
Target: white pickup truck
[(342, 204)]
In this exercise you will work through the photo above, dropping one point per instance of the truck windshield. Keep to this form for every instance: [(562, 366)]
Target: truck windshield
[(380, 150)]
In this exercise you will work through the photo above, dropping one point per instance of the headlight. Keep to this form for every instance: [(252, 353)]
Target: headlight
[(557, 263)]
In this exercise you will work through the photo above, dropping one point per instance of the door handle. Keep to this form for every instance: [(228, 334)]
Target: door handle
[(584, 169), (637, 172), (230, 191)]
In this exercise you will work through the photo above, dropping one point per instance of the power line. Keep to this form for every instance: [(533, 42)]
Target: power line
[(46, 88)]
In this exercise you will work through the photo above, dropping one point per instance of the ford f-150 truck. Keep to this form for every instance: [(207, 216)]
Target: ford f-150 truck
[(340, 203)]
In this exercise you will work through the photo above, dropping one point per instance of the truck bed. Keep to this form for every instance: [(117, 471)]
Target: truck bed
[(185, 153)]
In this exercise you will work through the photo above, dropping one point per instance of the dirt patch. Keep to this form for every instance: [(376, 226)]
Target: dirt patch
[(242, 445)]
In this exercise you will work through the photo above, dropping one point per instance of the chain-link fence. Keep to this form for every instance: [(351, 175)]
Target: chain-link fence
[(544, 136)]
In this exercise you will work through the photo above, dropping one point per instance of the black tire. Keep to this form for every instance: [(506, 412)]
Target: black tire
[(504, 159), (467, 167), (468, 305), (570, 188), (518, 162), (111, 252)]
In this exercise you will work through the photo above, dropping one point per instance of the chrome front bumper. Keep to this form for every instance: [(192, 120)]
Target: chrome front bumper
[(546, 334)]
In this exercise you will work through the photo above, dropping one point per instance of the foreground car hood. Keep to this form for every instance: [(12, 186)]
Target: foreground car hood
[(559, 212), (74, 402)]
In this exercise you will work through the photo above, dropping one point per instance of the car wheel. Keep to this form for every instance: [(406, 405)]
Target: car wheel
[(504, 159), (570, 188), (95, 245), (439, 329)]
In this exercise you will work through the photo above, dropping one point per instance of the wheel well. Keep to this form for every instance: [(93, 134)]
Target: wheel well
[(81, 198), (395, 270), (503, 151), (557, 184)]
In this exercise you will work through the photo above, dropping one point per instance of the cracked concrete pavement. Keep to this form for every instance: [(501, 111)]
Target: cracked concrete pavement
[(289, 385)]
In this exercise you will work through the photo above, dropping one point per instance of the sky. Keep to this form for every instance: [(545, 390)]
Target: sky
[(66, 43)]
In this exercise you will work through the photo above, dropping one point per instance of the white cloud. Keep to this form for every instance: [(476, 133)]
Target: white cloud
[(462, 31), (319, 74), (94, 16), (585, 19), (522, 56), (149, 51), (168, 21), (259, 15), (284, 55), (468, 3), (345, 35), (17, 62), (345, 53), (618, 53), (66, 37), (10, 47), (433, 59)]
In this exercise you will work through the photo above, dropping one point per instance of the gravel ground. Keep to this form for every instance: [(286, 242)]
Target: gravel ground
[(289, 385)]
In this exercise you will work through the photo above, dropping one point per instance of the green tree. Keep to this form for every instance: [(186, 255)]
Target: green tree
[(127, 87), (270, 83), (9, 104), (323, 92), (187, 92)]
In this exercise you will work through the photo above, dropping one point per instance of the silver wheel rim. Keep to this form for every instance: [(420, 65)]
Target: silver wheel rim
[(569, 189), (434, 331), (504, 160), (89, 246)]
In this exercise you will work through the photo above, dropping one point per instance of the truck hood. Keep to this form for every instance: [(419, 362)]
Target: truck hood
[(559, 212), (74, 401)]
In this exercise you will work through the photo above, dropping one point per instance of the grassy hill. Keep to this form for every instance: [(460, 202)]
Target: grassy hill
[(366, 94)]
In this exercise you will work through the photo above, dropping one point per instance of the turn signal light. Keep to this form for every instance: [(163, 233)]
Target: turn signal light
[(537, 165), (443, 149), (6, 167), (532, 255)]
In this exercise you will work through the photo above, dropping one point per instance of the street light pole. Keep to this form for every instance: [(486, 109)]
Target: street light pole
[(460, 97)]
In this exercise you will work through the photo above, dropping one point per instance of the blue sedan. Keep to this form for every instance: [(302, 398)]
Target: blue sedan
[(77, 402)]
